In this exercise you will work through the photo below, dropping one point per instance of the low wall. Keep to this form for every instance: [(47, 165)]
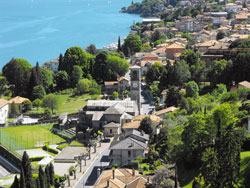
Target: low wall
[(11, 158)]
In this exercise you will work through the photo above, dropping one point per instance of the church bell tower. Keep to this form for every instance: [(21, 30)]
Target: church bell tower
[(135, 85)]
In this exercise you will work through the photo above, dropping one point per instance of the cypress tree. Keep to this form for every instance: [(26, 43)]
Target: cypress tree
[(52, 174), (37, 183), (119, 44), (15, 183), (41, 177), (47, 174), (22, 179), (39, 75), (27, 170), (60, 67)]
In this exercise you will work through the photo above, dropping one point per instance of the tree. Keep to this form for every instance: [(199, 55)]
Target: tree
[(76, 56), (100, 66), (51, 173), (76, 75), (27, 105), (147, 126), (50, 101), (3, 84), (146, 47), (47, 113), (220, 35), (174, 97), (186, 35), (42, 178), (91, 49), (17, 72), (22, 179), (15, 184), (156, 35), (116, 67), (179, 73), (192, 90), (164, 178), (154, 73), (217, 71), (35, 78), (61, 62), (27, 171), (47, 77), (38, 92), (37, 103), (83, 86), (119, 48), (14, 109), (61, 80), (115, 95), (131, 45), (241, 67), (47, 174)]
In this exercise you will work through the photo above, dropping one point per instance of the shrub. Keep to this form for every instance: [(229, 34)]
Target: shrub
[(62, 146), (39, 158), (47, 148)]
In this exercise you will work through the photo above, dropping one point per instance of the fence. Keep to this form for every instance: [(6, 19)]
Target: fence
[(9, 143)]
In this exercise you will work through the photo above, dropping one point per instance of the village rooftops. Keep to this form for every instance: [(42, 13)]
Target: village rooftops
[(145, 54), (110, 83), (18, 100), (111, 125), (245, 83), (131, 125), (166, 110), (128, 143), (175, 45), (3, 102), (115, 109), (155, 119)]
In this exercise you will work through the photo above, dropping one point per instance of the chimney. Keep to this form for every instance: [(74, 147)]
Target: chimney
[(113, 173), (133, 172), (108, 183)]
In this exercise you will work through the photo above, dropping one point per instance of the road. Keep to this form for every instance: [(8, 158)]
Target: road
[(147, 102), (89, 178)]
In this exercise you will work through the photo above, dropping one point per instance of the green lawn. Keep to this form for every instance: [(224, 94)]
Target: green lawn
[(33, 136), (68, 103)]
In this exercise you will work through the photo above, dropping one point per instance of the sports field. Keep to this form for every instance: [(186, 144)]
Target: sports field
[(27, 137)]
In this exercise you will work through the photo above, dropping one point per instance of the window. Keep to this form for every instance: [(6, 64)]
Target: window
[(134, 154), (129, 153), (110, 131)]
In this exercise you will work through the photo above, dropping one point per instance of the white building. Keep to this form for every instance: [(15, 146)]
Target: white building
[(4, 109)]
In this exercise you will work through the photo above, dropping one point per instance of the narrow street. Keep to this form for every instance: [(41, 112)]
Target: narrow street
[(89, 178)]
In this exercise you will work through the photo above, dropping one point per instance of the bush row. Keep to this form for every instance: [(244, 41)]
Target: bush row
[(47, 148), (39, 158)]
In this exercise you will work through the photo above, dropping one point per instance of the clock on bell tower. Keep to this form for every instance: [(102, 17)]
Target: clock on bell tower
[(135, 85)]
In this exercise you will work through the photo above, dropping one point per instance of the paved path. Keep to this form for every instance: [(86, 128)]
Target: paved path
[(3, 172), (147, 102), (89, 171)]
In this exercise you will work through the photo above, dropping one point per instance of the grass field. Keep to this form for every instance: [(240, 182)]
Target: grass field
[(69, 103), (31, 136)]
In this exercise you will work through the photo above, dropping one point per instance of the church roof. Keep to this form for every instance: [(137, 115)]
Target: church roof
[(111, 125), (115, 109)]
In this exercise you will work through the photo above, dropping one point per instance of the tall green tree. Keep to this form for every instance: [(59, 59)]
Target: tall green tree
[(119, 48), (52, 174), (154, 73), (100, 66), (147, 126), (38, 92), (42, 178), (17, 72), (91, 49), (27, 171), (192, 90), (61, 80), (22, 179), (117, 67), (174, 97), (35, 78), (50, 101), (76, 75), (15, 184), (131, 45), (3, 86), (47, 77)]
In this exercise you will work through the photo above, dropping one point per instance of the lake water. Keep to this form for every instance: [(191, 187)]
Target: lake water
[(39, 30)]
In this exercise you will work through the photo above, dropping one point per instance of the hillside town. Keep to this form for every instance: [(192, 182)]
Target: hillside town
[(167, 107)]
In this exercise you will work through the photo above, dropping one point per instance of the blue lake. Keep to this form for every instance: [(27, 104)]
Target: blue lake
[(39, 30)]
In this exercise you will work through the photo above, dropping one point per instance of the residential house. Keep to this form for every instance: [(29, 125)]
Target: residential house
[(52, 64), (232, 7), (162, 112), (189, 24), (160, 52), (203, 46), (18, 101), (112, 129), (127, 147), (122, 178), (62, 120), (239, 18), (173, 49), (245, 84), (4, 110), (145, 56), (120, 85)]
